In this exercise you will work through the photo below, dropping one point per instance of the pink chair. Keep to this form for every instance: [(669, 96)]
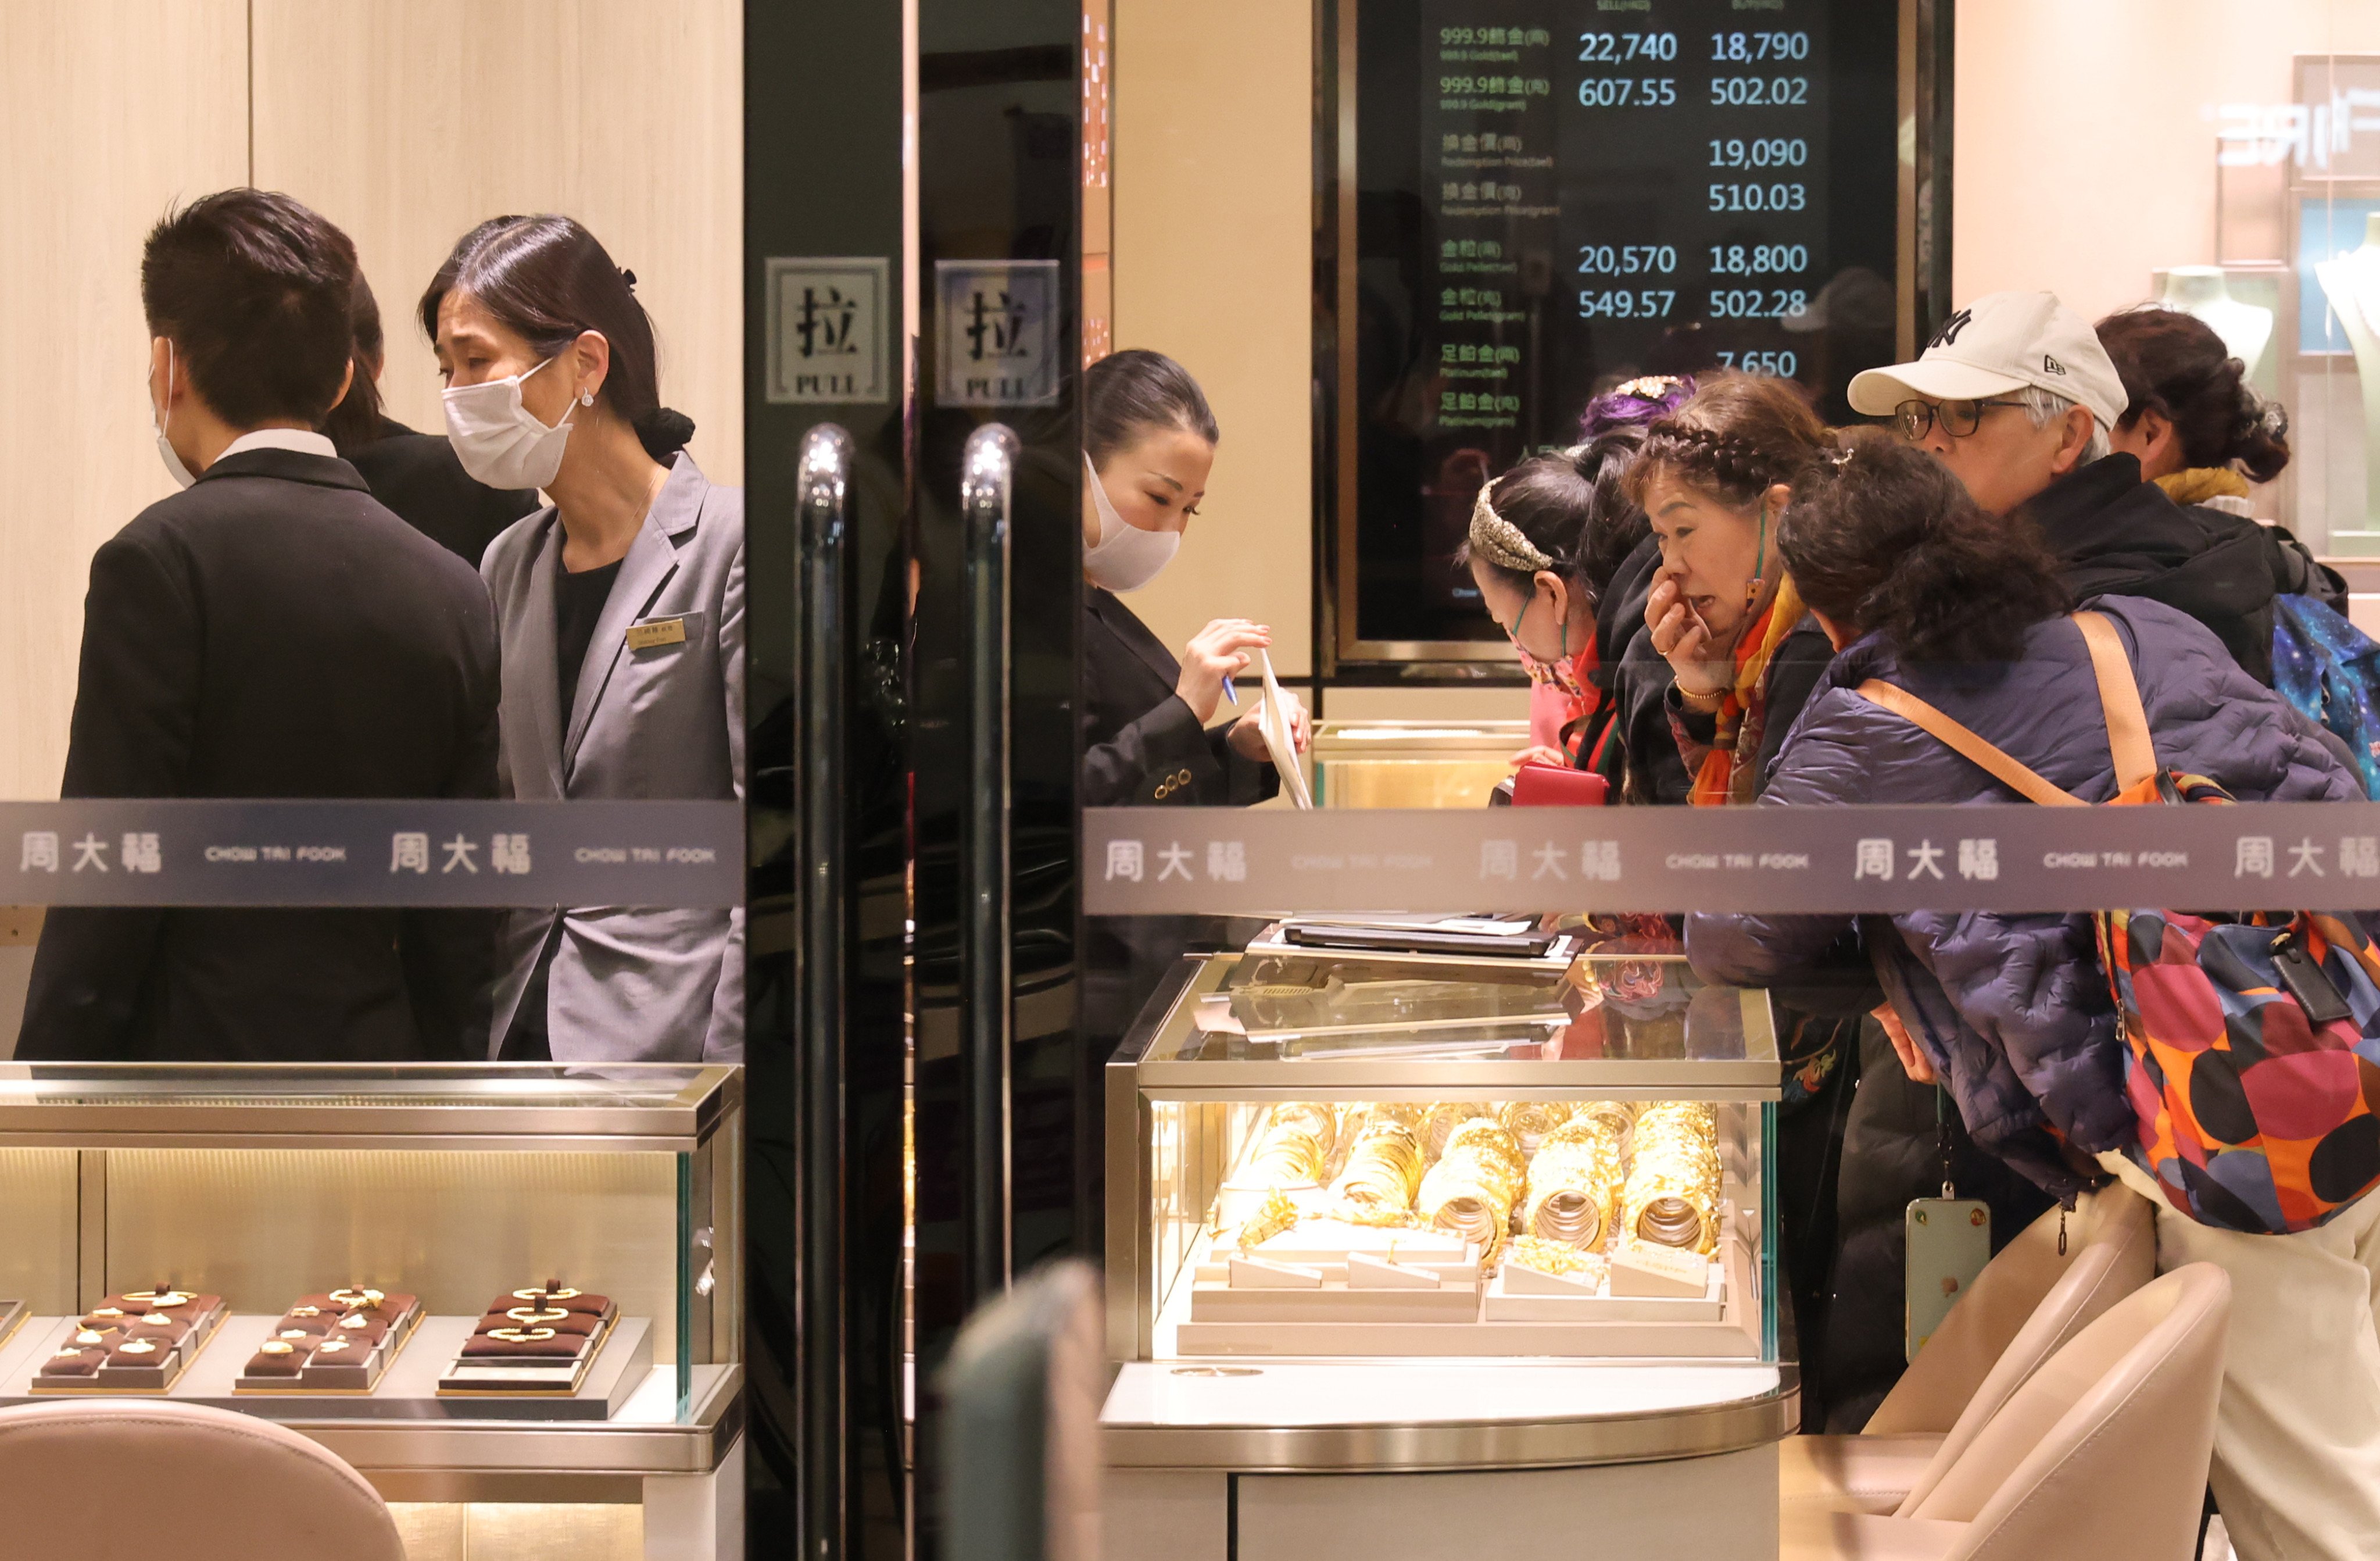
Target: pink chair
[(101, 1479)]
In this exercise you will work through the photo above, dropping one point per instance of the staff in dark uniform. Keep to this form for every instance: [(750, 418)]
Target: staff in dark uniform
[(1149, 444), (417, 476)]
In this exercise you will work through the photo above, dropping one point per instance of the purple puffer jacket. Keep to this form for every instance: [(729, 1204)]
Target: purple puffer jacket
[(2013, 1009)]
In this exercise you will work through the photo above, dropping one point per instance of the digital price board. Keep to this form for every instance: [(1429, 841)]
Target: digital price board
[(1548, 201)]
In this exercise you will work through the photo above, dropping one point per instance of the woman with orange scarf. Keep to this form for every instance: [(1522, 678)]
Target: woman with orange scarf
[(1743, 656), (1714, 476)]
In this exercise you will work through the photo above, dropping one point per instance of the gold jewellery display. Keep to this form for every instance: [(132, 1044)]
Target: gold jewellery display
[(1382, 1174), (1575, 1183), (1672, 1198), (1472, 1189)]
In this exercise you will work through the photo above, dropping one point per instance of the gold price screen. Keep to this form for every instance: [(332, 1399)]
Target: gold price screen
[(1553, 201)]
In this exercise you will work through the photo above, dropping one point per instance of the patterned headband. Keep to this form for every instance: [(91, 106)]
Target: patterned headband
[(1501, 543)]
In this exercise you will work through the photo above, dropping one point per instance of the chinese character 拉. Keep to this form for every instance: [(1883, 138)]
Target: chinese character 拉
[(459, 854), (1500, 859), (1177, 864), (40, 851), (408, 853), (141, 853), (509, 853), (1979, 859), (1875, 860), (2255, 859), (1123, 860)]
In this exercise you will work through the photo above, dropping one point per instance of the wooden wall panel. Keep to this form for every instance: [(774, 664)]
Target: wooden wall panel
[(408, 121), (110, 110), (1214, 260)]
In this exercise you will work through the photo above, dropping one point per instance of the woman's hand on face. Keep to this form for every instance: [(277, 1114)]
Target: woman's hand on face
[(1684, 640), (1215, 652), (1540, 754), (1913, 1060)]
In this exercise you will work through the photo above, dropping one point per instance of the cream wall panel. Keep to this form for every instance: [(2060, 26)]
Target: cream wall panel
[(110, 110), (1214, 260), (2085, 132), (407, 122)]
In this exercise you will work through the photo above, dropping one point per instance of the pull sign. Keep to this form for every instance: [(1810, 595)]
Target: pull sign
[(826, 322)]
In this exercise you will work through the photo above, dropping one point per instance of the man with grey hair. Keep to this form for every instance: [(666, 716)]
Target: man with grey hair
[(2015, 395)]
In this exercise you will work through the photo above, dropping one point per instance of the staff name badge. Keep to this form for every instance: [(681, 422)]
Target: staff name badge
[(660, 631)]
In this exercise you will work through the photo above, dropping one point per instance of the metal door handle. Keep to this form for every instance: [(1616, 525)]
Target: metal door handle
[(985, 961), (822, 486)]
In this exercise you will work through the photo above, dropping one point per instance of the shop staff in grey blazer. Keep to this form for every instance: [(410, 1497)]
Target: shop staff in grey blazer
[(620, 607)]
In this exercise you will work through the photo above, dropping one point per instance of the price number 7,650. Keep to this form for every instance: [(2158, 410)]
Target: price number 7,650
[(1778, 364)]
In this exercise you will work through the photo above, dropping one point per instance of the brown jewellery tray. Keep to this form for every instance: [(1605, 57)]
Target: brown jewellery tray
[(383, 1355), (185, 1353)]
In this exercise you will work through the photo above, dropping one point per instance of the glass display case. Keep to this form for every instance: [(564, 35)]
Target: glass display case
[(1563, 1152), (1412, 763), (516, 1284)]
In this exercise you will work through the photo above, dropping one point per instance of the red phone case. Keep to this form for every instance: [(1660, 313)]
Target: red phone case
[(1543, 785)]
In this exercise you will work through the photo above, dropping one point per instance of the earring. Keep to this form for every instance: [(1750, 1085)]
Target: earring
[(586, 398)]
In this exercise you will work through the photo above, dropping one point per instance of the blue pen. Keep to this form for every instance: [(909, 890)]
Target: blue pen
[(1231, 693)]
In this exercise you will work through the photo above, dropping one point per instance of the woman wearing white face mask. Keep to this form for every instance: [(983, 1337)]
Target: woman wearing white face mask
[(1149, 444), (621, 610)]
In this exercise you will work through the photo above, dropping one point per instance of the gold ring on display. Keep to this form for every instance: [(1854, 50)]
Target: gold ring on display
[(88, 1337), (156, 1318), (154, 1299), (277, 1347), (69, 1353), (365, 1299), (354, 1320), (139, 1346), (295, 1334), (304, 1311), (332, 1347), (107, 1312)]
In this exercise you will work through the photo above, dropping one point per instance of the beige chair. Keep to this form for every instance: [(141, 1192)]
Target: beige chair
[(2102, 1452), (2027, 1302), (98, 1480)]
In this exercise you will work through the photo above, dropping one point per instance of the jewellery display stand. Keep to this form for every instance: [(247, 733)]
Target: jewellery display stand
[(1322, 1264), (2204, 292), (2352, 283), (435, 1188)]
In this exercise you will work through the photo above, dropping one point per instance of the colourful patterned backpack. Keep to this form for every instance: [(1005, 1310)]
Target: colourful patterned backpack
[(2254, 1038)]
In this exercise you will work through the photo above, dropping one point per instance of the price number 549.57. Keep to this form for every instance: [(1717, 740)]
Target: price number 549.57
[(1621, 303)]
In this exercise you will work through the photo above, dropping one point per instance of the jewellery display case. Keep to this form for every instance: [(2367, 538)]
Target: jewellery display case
[(1379, 1213), (514, 1284)]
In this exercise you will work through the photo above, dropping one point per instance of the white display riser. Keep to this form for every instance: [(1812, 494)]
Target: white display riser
[(1717, 1508)]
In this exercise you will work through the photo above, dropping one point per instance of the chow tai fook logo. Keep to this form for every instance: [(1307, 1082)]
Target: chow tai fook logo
[(827, 319), (998, 342)]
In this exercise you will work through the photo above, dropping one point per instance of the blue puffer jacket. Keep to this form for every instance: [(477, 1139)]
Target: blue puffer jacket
[(2013, 1009)]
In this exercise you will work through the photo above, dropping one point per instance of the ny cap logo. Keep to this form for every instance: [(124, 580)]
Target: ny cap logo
[(2052, 366), (1948, 334)]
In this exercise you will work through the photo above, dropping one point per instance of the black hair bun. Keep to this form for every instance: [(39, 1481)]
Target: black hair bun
[(663, 431)]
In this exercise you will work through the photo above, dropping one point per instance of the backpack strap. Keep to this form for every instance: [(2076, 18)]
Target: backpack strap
[(2026, 783), (2119, 698)]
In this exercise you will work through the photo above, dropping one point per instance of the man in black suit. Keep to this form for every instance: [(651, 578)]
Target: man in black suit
[(270, 631)]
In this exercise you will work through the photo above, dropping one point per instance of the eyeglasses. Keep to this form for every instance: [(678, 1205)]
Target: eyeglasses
[(1958, 419)]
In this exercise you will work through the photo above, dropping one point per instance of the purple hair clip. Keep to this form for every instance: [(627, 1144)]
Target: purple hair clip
[(1637, 401)]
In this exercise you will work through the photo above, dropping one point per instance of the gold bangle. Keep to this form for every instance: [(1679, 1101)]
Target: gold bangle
[(1706, 704)]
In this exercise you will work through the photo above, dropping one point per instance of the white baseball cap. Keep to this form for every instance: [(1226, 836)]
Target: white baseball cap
[(2003, 342)]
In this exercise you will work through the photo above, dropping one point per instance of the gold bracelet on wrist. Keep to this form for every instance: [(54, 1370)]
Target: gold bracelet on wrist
[(1709, 703)]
